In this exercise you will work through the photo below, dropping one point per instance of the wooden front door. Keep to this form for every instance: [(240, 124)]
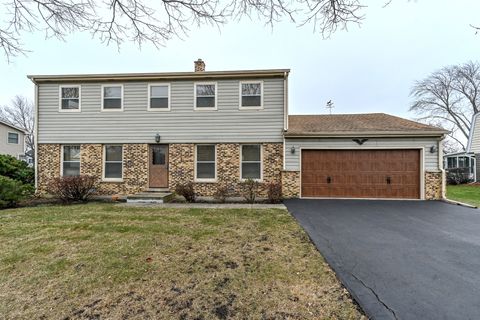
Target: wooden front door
[(158, 166), (361, 173)]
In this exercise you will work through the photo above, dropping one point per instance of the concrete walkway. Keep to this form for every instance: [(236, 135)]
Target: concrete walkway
[(208, 205)]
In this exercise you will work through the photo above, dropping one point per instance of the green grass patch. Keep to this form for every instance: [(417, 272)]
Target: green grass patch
[(114, 262), (465, 193)]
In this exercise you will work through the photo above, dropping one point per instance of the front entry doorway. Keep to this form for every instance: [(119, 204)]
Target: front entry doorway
[(158, 166)]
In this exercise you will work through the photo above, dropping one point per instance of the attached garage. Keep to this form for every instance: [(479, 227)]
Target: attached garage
[(374, 156)]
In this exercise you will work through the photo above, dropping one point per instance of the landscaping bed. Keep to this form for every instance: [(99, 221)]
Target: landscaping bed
[(110, 261)]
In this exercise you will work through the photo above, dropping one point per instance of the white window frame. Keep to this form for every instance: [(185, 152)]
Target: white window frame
[(121, 97), (261, 160), (195, 96), (79, 97), (104, 157), (240, 96), (62, 158), (215, 163), (18, 138), (158, 84)]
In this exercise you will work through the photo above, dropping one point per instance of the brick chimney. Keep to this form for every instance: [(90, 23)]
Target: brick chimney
[(199, 65)]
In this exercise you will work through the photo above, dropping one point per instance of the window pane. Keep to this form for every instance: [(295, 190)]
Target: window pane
[(205, 170), (206, 153), (112, 103), (112, 92), (158, 155), (206, 90), (70, 103), (251, 152), (71, 168), (70, 93), (13, 137), (205, 102), (251, 170), (159, 103), (113, 153), (251, 89), (159, 91), (251, 101), (113, 170), (71, 153)]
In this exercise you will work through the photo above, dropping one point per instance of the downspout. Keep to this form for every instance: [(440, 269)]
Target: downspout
[(440, 165), (35, 134), (285, 115)]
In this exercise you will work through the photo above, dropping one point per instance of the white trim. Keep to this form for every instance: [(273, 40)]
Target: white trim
[(260, 107), (104, 156), (261, 160), (422, 167), (195, 96), (18, 138), (79, 97), (472, 132), (35, 136), (121, 98), (158, 84), (195, 163), (62, 155)]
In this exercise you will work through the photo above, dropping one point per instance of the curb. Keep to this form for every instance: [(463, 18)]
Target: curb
[(458, 203)]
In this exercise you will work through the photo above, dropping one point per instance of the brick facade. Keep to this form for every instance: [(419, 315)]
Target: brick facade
[(433, 185), (291, 184)]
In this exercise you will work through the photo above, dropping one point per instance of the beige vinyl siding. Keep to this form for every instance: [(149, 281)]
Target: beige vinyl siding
[(292, 161), (10, 148), (135, 124), (475, 136)]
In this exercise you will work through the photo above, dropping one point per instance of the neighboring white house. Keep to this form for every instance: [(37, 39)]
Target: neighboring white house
[(12, 140), (473, 146)]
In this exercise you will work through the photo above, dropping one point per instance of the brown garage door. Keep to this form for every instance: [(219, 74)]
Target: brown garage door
[(361, 173)]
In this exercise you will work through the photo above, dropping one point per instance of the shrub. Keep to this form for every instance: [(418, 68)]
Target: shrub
[(222, 193), (12, 191), (274, 192), (73, 188), (458, 176), (250, 189), (16, 169), (186, 190)]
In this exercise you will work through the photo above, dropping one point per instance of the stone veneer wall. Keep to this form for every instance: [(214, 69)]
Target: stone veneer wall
[(433, 185), (291, 184), (135, 167), (182, 167)]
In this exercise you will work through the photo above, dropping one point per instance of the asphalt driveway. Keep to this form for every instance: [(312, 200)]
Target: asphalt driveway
[(400, 259)]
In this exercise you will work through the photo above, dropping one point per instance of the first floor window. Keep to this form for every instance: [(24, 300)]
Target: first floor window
[(251, 161), (112, 97), (13, 138), (113, 162), (71, 161), (205, 162), (70, 98)]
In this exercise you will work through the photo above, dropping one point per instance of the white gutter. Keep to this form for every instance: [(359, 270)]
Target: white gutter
[(35, 134), (470, 134), (440, 166)]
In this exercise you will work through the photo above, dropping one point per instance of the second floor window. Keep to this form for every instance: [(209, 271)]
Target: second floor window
[(159, 97), (13, 138), (205, 96), (70, 98), (251, 95), (112, 97), (71, 161)]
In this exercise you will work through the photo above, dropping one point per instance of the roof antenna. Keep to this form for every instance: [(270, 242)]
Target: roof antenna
[(330, 106)]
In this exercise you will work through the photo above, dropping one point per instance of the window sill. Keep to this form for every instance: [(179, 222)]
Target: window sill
[(69, 110), (250, 108), (158, 109), (205, 180), (112, 110), (112, 180), (205, 109)]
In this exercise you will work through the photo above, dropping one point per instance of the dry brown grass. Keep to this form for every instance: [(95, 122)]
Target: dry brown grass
[(113, 262)]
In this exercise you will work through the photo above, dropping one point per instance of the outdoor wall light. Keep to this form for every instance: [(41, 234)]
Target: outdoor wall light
[(433, 149), (157, 138), (292, 150)]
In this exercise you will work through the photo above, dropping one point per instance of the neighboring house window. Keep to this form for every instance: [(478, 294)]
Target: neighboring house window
[(251, 167), (113, 162), (70, 98), (13, 138), (205, 166), (112, 97), (451, 163), (71, 161), (251, 94), (205, 96), (159, 97)]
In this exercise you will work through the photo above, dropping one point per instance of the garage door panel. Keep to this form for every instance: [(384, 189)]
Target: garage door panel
[(361, 173)]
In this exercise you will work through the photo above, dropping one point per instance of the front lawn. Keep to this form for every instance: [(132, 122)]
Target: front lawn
[(110, 261), (465, 193)]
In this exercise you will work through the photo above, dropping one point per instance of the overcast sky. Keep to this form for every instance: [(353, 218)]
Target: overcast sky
[(367, 69)]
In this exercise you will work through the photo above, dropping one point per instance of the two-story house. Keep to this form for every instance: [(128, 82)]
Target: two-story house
[(12, 140), (214, 128)]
